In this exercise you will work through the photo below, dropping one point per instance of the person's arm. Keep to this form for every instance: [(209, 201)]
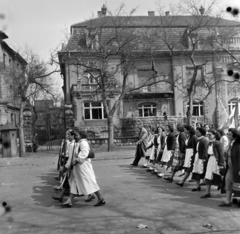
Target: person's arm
[(204, 149), (182, 146), (220, 152), (84, 151)]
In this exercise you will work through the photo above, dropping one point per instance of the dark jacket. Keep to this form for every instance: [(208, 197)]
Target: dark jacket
[(218, 152), (162, 140), (203, 148), (181, 142), (192, 143), (171, 141), (235, 157)]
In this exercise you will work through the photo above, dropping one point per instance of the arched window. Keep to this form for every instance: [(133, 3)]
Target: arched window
[(147, 109), (232, 104)]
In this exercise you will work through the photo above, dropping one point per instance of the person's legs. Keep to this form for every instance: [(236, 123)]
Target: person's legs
[(101, 200), (137, 156)]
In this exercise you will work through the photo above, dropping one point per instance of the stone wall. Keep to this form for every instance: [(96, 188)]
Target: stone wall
[(130, 126)]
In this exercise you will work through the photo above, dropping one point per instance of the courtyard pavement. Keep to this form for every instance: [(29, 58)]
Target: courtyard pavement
[(133, 197)]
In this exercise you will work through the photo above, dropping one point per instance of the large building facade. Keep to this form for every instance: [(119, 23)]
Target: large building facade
[(162, 98), (9, 101)]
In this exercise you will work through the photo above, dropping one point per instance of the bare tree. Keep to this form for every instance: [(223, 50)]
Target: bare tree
[(108, 58), (29, 82), (197, 47)]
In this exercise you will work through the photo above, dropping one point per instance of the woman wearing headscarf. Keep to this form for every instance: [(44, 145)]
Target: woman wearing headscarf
[(83, 174), (201, 157), (170, 144), (215, 161), (191, 143), (233, 165), (179, 152)]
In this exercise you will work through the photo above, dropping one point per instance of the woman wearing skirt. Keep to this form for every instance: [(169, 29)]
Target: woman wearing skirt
[(200, 158), (179, 153), (215, 161), (170, 144), (191, 143), (150, 146), (82, 178)]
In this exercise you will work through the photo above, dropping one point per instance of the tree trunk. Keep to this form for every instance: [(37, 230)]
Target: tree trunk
[(189, 117), (110, 133), (21, 132)]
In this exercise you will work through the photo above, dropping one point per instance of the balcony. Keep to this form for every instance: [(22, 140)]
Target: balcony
[(89, 87)]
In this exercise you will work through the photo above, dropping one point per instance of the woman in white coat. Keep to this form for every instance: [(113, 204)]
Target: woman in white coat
[(83, 174)]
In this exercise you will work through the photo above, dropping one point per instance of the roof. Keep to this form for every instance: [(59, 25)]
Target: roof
[(8, 126), (13, 52), (3, 35), (146, 30), (155, 21)]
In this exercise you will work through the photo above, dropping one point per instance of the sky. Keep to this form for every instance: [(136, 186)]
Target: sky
[(42, 24)]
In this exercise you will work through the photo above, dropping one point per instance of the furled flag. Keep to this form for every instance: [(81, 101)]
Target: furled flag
[(154, 68)]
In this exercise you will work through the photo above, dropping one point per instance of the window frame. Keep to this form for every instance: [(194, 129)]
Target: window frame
[(231, 105), (90, 108), (142, 106)]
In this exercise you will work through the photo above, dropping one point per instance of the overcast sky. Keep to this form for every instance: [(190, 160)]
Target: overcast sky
[(41, 24)]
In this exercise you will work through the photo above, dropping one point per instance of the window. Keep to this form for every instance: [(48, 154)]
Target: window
[(232, 104), (94, 110), (104, 134), (147, 109), (10, 62), (4, 60), (197, 109)]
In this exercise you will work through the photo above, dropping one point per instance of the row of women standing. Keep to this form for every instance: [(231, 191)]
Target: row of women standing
[(79, 171), (199, 152)]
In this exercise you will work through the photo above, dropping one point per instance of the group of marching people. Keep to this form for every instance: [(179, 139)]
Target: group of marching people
[(204, 153), (76, 175)]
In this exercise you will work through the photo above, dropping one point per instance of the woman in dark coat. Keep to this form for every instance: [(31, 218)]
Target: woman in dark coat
[(233, 165), (191, 143), (201, 157), (215, 161), (179, 153)]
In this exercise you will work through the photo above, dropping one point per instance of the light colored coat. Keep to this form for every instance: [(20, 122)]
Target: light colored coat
[(83, 174)]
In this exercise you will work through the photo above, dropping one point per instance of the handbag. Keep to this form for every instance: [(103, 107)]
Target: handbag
[(91, 154), (217, 179)]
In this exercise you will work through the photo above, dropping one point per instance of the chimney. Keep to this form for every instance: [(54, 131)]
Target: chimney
[(167, 13), (63, 46), (100, 14), (151, 13)]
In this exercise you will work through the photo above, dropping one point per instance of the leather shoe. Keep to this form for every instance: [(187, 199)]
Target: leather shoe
[(196, 189), (168, 179), (90, 198), (67, 205), (179, 184), (133, 165), (57, 198), (224, 204), (100, 202), (206, 195)]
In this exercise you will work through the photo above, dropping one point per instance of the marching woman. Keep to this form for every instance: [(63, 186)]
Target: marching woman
[(179, 152), (83, 174), (200, 158), (158, 146), (191, 143), (170, 143), (233, 165), (215, 161), (150, 146)]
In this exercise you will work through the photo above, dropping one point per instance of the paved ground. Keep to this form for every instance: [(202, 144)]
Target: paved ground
[(133, 197)]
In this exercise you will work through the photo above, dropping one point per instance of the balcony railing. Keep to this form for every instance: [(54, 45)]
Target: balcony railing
[(89, 87)]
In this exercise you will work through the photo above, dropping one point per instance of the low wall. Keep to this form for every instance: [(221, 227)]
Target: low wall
[(130, 126)]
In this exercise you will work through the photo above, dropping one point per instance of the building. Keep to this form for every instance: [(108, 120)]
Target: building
[(171, 42), (49, 120), (9, 100)]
